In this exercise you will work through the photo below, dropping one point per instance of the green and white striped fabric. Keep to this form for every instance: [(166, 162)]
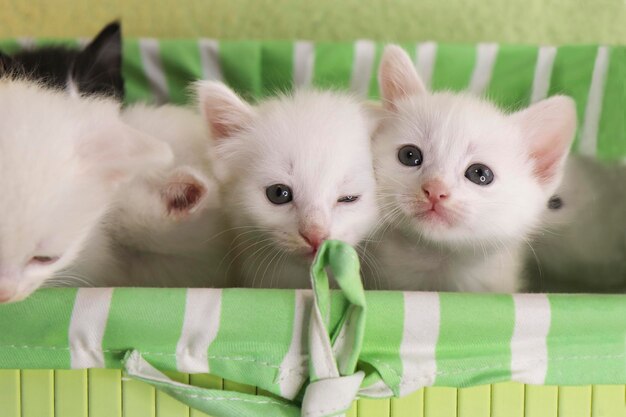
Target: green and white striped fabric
[(513, 76), (377, 343), (304, 345)]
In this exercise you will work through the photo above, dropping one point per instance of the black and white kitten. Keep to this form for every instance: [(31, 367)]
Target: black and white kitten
[(96, 69)]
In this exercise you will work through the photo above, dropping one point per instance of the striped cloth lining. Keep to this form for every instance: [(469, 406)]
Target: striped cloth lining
[(513, 76), (256, 336)]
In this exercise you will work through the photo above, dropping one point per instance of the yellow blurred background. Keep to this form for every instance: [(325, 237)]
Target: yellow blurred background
[(518, 21)]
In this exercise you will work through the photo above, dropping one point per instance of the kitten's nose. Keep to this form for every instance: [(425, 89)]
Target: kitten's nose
[(435, 190), (314, 237)]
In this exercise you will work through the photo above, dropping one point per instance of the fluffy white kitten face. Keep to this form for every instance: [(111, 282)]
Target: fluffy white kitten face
[(458, 168), (61, 159), (297, 168)]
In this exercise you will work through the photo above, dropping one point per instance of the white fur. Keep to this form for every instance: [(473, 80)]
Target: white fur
[(582, 245), (151, 245), (61, 161), (318, 143), (478, 245)]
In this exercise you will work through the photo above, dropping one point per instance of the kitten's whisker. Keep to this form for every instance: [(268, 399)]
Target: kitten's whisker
[(260, 263)]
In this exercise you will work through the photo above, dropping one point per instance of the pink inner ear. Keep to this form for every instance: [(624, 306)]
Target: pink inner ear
[(222, 128), (181, 197), (547, 162), (398, 77)]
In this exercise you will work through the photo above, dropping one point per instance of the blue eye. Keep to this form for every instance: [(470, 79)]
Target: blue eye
[(279, 194), (479, 174), (410, 156)]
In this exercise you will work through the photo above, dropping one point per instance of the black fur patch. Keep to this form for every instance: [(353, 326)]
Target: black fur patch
[(97, 69)]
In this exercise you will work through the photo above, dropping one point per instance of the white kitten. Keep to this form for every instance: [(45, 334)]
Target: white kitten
[(165, 226), (463, 184), (582, 246), (294, 171), (61, 161)]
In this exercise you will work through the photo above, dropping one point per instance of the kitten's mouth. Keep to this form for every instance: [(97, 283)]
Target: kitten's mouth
[(433, 213)]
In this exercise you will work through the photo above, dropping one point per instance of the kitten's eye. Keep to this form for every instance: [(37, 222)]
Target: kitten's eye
[(279, 194), (555, 202), (43, 260), (410, 156), (479, 174), (348, 199)]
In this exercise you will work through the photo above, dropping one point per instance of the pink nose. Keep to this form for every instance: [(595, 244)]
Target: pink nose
[(314, 237), (435, 191)]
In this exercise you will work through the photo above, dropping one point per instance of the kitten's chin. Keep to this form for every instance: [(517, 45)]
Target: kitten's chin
[(437, 226), (13, 295)]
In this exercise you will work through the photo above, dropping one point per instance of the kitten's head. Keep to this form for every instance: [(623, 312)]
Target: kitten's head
[(61, 161), (298, 168), (97, 69), (165, 211), (458, 168)]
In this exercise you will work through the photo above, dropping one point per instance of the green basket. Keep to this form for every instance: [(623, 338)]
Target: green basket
[(104, 393), (583, 342)]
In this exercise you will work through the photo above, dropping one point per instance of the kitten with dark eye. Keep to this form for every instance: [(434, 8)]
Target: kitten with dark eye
[(294, 171), (462, 183), (96, 69), (582, 244)]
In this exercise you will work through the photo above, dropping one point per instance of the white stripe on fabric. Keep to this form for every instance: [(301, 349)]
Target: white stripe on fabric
[(543, 73), (151, 62), (377, 390), (321, 357), (486, 54), (331, 397), (293, 366), (87, 326), (303, 62), (26, 43), (362, 67), (593, 110), (137, 366), (343, 346), (200, 326), (210, 59), (425, 57), (529, 349), (419, 340)]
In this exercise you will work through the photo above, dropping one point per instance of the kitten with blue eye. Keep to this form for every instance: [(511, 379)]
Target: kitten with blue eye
[(96, 69), (62, 162), (293, 171), (463, 184)]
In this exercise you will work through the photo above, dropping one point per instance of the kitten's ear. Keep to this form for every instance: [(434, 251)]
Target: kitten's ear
[(224, 111), (397, 77), (549, 127), (120, 152), (184, 192), (5, 61), (101, 60)]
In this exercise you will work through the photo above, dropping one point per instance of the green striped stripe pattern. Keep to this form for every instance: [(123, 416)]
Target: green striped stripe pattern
[(513, 76), (336, 344), (411, 339)]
